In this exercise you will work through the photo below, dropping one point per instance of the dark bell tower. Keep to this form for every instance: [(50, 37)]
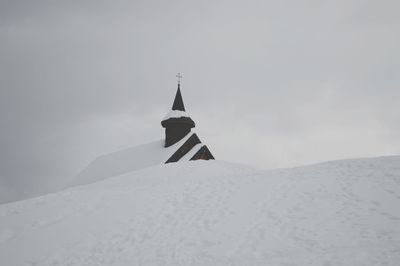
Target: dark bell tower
[(177, 123)]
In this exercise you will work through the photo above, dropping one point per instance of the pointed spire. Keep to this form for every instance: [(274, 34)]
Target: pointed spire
[(178, 102)]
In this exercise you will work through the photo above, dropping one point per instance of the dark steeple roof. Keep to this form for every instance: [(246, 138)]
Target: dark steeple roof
[(178, 102)]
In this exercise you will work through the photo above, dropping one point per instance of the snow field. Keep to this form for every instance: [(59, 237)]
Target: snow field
[(214, 213)]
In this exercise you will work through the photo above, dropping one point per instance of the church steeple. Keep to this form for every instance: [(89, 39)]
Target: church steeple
[(177, 122), (178, 126), (178, 102)]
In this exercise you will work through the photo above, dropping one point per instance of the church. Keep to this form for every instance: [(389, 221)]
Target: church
[(178, 126), (180, 144)]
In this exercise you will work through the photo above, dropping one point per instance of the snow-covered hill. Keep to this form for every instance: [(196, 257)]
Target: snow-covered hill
[(214, 213)]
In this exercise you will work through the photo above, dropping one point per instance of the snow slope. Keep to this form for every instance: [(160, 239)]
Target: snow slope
[(128, 160), (215, 213)]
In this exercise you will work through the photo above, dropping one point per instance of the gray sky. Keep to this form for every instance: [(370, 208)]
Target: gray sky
[(269, 83)]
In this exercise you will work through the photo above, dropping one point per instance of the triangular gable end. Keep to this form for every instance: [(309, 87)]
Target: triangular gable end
[(203, 154)]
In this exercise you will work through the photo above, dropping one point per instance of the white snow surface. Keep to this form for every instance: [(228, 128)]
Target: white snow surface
[(214, 213), (175, 114), (128, 160)]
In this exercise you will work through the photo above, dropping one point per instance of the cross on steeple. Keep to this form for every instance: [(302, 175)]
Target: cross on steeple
[(179, 76)]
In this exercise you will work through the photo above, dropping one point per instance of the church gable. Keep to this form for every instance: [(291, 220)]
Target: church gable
[(203, 154), (184, 149)]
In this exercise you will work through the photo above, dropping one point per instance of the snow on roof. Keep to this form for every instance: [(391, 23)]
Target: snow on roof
[(189, 155), (127, 160), (175, 114)]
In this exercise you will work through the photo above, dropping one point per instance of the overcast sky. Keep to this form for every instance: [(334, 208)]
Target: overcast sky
[(268, 83)]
